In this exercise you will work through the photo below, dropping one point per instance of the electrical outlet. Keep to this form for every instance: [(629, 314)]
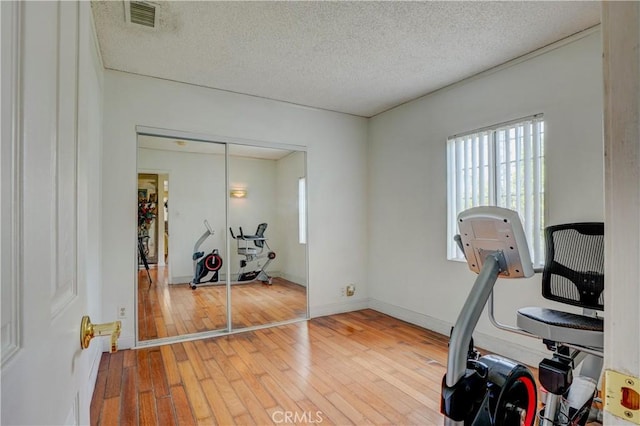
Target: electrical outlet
[(351, 290), (122, 312)]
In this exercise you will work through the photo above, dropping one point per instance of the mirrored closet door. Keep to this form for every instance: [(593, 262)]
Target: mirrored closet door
[(189, 213), (268, 257), (221, 241)]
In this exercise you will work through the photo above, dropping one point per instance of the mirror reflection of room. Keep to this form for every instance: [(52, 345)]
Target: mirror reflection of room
[(195, 176), (270, 279), (185, 290)]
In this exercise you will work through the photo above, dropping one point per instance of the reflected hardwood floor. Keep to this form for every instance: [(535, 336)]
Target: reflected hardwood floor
[(171, 310), (357, 368)]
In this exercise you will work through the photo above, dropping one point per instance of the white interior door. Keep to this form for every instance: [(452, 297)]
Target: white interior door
[(50, 127)]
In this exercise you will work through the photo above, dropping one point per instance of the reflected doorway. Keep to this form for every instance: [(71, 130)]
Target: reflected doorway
[(148, 217)]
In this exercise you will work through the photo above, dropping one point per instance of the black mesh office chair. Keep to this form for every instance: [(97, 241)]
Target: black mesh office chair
[(254, 252), (573, 274), (259, 236), (259, 241)]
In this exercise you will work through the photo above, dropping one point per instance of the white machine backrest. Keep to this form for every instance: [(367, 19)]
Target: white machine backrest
[(487, 230)]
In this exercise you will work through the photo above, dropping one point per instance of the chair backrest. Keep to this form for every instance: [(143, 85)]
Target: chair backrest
[(574, 264), (260, 234)]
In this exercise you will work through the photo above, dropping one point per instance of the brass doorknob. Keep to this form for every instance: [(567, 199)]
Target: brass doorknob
[(88, 331)]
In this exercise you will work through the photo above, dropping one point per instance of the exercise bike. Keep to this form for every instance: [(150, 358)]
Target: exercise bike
[(205, 268), (252, 247), (493, 390)]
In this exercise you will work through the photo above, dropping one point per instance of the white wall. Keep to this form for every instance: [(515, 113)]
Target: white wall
[(291, 254), (258, 176), (336, 166), (410, 276)]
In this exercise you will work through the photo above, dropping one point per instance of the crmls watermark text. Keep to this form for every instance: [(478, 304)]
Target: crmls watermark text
[(293, 417)]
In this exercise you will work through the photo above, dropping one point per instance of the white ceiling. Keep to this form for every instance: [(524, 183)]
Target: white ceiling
[(356, 57)]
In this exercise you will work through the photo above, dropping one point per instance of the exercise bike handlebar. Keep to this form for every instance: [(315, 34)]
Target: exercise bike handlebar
[(458, 240), (204, 236), (494, 245), (468, 319), (240, 236)]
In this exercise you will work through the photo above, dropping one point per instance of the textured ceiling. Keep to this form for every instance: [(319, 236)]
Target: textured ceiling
[(358, 57)]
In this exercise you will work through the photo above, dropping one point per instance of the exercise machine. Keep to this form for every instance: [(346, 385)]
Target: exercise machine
[(205, 268), (493, 390), (252, 247)]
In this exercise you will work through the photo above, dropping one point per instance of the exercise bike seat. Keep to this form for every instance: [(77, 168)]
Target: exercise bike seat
[(565, 327), (247, 250), (259, 241), (251, 238), (573, 274)]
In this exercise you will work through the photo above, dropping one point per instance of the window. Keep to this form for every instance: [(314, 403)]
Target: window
[(302, 210), (499, 166)]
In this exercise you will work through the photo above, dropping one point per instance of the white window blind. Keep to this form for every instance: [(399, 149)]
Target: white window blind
[(503, 166)]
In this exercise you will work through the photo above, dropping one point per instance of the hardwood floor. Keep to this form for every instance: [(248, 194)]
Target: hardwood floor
[(171, 310), (357, 368)]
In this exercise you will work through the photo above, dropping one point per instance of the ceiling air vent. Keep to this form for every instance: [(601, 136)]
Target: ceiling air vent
[(141, 13)]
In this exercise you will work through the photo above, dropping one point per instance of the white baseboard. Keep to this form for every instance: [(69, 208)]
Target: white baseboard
[(294, 279), (180, 279), (338, 308), (509, 349), (491, 343), (222, 277), (412, 317)]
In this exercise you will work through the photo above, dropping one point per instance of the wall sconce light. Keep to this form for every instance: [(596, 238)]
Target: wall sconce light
[(238, 193)]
